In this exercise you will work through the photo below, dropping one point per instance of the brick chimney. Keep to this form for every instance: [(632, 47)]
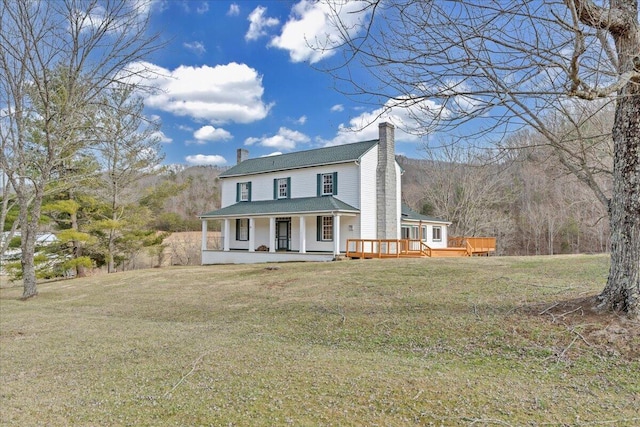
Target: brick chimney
[(386, 183), (241, 155)]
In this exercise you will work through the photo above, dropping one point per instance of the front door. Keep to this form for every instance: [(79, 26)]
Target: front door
[(282, 234)]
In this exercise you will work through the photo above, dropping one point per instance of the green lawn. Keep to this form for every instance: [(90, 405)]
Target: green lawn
[(470, 341)]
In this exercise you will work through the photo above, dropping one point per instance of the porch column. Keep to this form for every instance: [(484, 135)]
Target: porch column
[(272, 234), (227, 231), (252, 235), (204, 234), (303, 235), (336, 234)]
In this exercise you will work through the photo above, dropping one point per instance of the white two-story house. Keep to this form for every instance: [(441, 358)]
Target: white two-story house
[(310, 205)]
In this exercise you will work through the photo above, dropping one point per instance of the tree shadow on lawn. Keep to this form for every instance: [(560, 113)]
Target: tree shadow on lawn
[(608, 333)]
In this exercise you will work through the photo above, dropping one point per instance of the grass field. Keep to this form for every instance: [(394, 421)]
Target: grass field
[(500, 341)]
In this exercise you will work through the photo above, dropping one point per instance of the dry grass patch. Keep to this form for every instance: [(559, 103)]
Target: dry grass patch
[(493, 341)]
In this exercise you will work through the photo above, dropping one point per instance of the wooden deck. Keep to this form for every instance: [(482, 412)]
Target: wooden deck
[(409, 248)]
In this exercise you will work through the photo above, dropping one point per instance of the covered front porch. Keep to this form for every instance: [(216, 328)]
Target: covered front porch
[(309, 229)]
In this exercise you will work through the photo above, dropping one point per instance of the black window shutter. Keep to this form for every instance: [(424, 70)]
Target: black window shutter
[(275, 189), (289, 188), (237, 192), (249, 191), (335, 183), (318, 228), (237, 229), (319, 186)]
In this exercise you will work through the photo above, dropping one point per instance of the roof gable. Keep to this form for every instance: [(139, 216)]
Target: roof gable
[(301, 159)]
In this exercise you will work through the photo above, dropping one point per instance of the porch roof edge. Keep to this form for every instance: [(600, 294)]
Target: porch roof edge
[(283, 207)]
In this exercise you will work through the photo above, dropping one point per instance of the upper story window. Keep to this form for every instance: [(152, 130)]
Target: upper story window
[(436, 234), (282, 188), (328, 184), (243, 192)]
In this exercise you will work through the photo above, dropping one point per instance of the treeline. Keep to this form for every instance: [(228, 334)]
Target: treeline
[(97, 226), (525, 197)]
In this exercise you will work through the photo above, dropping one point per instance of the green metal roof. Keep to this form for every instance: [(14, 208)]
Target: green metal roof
[(301, 159), (410, 215), (283, 207)]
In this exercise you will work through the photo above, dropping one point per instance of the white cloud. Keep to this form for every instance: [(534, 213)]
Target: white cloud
[(220, 94), (203, 159), (302, 120), (209, 133), (203, 8), (195, 47), (162, 137), (285, 139), (234, 10), (309, 34), (251, 140), (365, 126), (259, 24), (337, 108)]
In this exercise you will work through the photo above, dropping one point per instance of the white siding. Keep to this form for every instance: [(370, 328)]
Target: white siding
[(399, 198), (368, 197), (303, 184), (228, 196), (262, 233), (438, 244), (356, 187)]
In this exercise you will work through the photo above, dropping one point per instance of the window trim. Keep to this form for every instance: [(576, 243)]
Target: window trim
[(278, 185), (321, 184), (240, 186), (324, 223), (437, 228), (327, 183)]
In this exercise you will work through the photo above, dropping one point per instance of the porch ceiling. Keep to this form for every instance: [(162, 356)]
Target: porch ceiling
[(284, 207)]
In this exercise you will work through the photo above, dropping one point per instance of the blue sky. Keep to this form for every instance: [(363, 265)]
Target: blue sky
[(241, 75)]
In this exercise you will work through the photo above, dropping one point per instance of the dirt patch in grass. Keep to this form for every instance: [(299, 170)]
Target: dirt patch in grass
[(610, 334)]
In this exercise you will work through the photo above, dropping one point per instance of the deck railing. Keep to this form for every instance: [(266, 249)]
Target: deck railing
[(392, 248), (474, 245), (385, 248)]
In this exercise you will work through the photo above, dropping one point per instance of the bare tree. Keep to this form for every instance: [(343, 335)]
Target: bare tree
[(513, 64), (459, 185), (92, 42), (129, 150)]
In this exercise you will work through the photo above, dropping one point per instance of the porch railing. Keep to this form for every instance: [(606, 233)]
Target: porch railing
[(386, 248)]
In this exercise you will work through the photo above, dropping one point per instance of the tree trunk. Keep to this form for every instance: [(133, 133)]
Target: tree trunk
[(622, 292), (111, 268), (81, 271), (28, 233)]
